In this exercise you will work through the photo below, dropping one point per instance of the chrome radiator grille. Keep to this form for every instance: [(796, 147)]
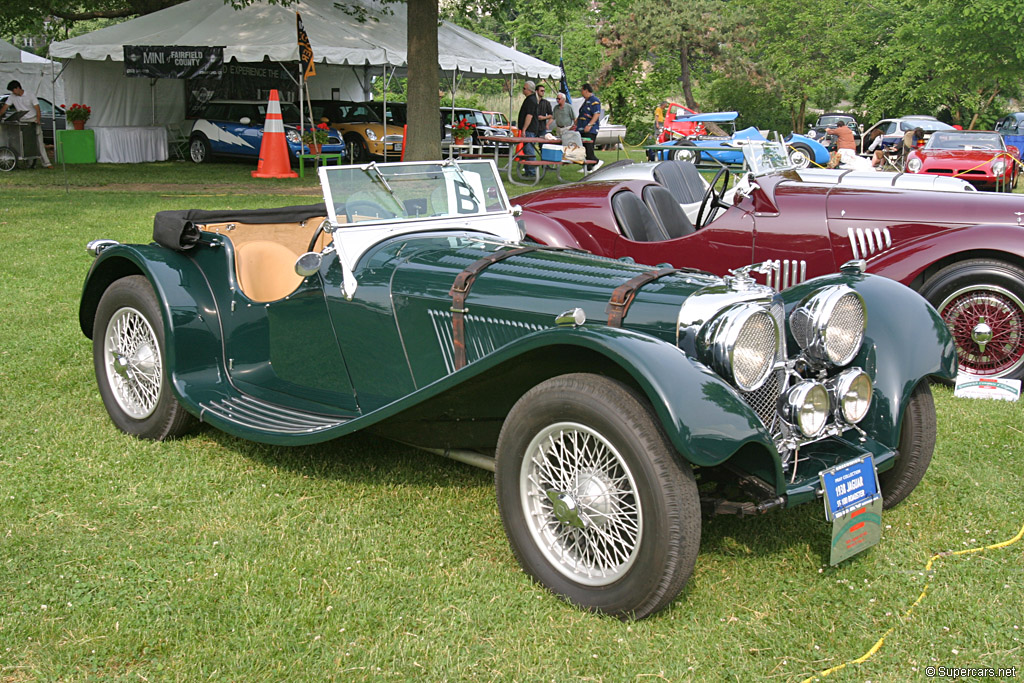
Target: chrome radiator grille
[(765, 400)]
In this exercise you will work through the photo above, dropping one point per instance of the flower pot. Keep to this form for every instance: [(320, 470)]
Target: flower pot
[(314, 147), (461, 141), (79, 125)]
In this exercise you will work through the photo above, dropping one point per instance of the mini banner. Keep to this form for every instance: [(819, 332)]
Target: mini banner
[(173, 61), (305, 50)]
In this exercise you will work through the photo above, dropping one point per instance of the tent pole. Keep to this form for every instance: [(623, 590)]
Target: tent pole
[(384, 114)]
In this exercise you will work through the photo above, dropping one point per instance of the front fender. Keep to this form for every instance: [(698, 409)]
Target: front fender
[(909, 260), (905, 342), (702, 415), (190, 316)]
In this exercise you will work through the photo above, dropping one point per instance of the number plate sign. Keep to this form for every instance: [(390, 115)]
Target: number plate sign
[(853, 503)]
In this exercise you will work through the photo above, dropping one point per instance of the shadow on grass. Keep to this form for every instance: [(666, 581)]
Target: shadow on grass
[(360, 458)]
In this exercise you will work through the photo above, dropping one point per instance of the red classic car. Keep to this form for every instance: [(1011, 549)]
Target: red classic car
[(961, 250), (979, 157), (676, 124)]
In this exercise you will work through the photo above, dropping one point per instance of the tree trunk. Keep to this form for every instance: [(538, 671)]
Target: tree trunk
[(423, 139), (684, 74)]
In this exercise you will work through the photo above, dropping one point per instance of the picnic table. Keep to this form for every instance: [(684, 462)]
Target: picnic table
[(515, 158)]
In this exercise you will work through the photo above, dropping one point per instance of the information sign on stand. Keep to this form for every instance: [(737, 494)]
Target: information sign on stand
[(853, 503)]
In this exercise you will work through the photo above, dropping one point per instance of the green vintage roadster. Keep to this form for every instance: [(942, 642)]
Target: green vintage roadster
[(615, 402)]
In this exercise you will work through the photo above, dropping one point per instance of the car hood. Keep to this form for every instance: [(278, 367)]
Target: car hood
[(526, 292)]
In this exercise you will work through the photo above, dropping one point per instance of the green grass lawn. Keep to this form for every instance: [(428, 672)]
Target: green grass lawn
[(211, 558)]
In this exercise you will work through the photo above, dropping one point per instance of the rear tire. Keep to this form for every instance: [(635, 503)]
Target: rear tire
[(594, 502), (129, 360), (917, 442), (199, 149), (981, 298), (800, 155)]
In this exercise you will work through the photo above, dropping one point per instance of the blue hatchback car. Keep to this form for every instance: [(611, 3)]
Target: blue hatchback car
[(234, 128)]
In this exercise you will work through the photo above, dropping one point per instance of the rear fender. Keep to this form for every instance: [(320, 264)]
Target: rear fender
[(190, 316)]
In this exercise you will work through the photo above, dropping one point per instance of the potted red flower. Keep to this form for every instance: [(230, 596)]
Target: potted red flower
[(78, 114), (462, 130), (315, 137)]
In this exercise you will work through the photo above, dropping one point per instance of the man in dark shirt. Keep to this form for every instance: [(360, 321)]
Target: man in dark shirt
[(588, 122), (527, 123)]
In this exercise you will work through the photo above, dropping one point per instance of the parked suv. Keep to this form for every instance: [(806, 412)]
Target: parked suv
[(362, 128), (475, 117), (829, 120), (234, 128)]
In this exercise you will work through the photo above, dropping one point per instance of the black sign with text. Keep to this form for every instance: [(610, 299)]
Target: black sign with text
[(173, 61)]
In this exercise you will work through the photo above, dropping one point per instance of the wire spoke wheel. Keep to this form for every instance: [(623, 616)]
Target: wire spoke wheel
[(133, 364), (582, 506), (594, 502), (988, 326)]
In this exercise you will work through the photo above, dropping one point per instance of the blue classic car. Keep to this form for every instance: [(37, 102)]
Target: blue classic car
[(616, 403), (728, 148), (234, 129)]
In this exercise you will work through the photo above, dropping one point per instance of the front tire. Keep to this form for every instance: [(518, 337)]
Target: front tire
[(982, 302), (128, 357), (594, 502), (917, 442), (199, 149), (357, 151)]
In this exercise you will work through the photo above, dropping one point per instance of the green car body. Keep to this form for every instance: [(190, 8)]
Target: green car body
[(366, 340)]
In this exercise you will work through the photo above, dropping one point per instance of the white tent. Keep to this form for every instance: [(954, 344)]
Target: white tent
[(35, 73), (347, 52)]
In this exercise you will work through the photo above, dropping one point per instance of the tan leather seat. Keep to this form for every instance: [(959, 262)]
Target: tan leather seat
[(266, 270)]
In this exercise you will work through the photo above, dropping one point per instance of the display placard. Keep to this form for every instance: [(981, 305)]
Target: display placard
[(173, 61)]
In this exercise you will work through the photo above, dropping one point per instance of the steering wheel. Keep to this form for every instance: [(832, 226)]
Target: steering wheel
[(366, 208), (713, 200)]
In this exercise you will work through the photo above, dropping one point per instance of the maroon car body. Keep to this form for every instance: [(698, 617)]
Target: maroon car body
[(979, 157), (963, 251)]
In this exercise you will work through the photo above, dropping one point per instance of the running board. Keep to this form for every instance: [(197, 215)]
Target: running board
[(250, 413)]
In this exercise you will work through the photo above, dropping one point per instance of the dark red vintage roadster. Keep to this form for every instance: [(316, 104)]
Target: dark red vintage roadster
[(960, 249)]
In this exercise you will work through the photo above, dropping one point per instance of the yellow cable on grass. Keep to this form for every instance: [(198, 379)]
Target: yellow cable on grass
[(928, 567)]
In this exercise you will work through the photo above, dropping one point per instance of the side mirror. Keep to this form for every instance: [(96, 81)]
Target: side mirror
[(308, 264)]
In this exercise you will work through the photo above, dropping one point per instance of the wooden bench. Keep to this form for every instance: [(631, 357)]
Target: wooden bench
[(557, 165)]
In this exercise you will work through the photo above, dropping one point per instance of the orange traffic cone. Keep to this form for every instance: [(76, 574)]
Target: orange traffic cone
[(274, 158)]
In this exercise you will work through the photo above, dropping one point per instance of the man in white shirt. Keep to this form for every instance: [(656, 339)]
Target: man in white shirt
[(22, 101)]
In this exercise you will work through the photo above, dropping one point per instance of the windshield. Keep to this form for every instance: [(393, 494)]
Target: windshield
[(412, 191), (965, 140), (473, 116), (766, 157), (831, 121), (925, 124)]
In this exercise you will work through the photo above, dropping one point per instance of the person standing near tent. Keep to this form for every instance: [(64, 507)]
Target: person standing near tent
[(562, 115), (544, 114), (22, 101), (527, 123), (588, 122)]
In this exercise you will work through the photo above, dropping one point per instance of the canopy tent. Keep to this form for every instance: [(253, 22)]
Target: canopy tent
[(347, 52), (36, 74)]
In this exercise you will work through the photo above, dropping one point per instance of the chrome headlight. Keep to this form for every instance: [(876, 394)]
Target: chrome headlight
[(998, 167), (851, 392), (293, 135), (829, 324), (914, 165), (740, 344), (806, 405), (370, 134), (812, 134)]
